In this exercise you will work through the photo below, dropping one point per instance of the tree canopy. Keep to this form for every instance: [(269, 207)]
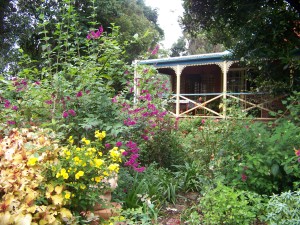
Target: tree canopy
[(254, 30), (19, 24)]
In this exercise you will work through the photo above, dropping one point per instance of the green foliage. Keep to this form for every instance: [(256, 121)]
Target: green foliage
[(19, 26), (225, 205), (283, 209), (253, 30), (156, 183), (190, 176)]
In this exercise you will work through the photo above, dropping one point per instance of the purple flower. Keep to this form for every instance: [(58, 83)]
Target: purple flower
[(11, 122), (79, 94), (114, 99), (6, 104), (107, 145), (155, 50), (37, 82), (65, 114), (244, 177), (49, 102), (72, 112), (119, 144), (14, 108), (95, 35), (140, 169), (87, 92)]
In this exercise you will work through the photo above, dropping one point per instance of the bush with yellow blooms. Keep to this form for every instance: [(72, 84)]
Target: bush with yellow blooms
[(44, 183)]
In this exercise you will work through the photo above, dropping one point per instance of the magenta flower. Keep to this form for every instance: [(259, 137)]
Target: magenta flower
[(14, 108), (155, 50), (244, 177), (49, 102), (6, 104), (79, 94), (107, 145), (37, 82), (114, 99), (87, 92), (95, 35), (297, 152), (65, 114), (72, 112), (119, 144), (11, 122), (140, 169)]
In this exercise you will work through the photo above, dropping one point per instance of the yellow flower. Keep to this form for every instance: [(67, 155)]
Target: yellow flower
[(71, 140), (98, 179), (98, 162), (64, 174), (67, 195), (79, 174), (32, 161), (99, 135), (105, 173), (115, 155), (86, 141), (114, 167), (82, 186)]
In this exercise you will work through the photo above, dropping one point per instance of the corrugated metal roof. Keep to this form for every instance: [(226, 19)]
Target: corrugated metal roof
[(191, 59)]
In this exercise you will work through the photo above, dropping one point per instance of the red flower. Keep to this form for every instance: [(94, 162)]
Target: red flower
[(79, 94), (244, 177)]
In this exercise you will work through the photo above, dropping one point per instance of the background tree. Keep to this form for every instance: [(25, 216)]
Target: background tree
[(19, 19), (254, 31), (179, 48)]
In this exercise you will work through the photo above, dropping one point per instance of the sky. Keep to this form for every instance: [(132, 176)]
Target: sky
[(168, 16)]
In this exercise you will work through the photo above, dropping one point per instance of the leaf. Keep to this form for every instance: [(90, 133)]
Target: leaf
[(65, 214), (275, 169), (57, 199)]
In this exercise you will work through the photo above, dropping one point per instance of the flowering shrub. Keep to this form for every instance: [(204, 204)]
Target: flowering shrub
[(25, 197), (84, 171), (43, 183)]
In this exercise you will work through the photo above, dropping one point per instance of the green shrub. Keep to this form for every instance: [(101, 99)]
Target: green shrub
[(225, 205), (284, 209)]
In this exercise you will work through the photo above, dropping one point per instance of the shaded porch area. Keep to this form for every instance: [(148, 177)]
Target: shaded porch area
[(207, 85)]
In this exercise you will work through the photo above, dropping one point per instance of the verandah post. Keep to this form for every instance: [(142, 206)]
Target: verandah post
[(178, 75)]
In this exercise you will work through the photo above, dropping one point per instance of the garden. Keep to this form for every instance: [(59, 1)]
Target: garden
[(74, 145)]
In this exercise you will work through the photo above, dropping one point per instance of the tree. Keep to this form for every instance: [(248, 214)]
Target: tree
[(254, 30), (179, 48), (200, 44), (19, 19)]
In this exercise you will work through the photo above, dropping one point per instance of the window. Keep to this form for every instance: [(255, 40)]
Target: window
[(236, 81)]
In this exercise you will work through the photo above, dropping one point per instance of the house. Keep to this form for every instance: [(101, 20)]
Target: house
[(201, 84)]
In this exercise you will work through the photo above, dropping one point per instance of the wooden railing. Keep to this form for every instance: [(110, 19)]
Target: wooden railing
[(260, 105)]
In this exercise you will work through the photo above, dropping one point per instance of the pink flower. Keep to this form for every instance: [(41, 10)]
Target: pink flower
[(65, 114), (155, 50), (140, 169), (14, 108), (244, 177), (95, 35), (203, 121), (79, 94), (6, 104), (37, 82), (11, 122), (49, 102), (119, 144), (297, 152), (72, 112)]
